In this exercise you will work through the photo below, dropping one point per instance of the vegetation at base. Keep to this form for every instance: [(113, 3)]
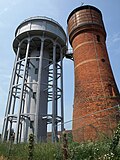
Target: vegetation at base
[(65, 149), (49, 151), (31, 147), (116, 139)]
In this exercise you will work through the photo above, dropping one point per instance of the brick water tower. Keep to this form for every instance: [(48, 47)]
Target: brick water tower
[(96, 97)]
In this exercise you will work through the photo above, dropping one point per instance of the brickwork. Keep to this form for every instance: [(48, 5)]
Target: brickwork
[(95, 87)]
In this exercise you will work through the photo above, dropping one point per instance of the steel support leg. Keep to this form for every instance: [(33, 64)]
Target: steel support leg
[(54, 136), (5, 124), (21, 95), (38, 91), (62, 104)]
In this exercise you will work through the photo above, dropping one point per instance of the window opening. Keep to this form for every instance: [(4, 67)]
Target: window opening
[(36, 70), (111, 90), (34, 95), (98, 38), (37, 59), (103, 60)]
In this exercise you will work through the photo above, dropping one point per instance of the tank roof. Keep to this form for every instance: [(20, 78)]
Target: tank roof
[(81, 8), (39, 18)]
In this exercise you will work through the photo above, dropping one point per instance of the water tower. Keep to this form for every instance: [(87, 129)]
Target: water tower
[(35, 97), (96, 95)]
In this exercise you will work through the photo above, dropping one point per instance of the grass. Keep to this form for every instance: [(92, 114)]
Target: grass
[(49, 151), (14, 151)]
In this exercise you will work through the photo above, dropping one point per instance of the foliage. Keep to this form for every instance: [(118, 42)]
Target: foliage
[(54, 151), (116, 139), (31, 147)]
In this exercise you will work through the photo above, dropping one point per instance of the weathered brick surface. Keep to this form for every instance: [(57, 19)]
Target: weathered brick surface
[(95, 87)]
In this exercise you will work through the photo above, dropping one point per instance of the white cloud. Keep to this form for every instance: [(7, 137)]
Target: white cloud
[(9, 5), (116, 37), (4, 10), (113, 41)]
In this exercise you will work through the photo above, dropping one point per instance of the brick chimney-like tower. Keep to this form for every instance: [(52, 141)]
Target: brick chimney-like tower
[(96, 97)]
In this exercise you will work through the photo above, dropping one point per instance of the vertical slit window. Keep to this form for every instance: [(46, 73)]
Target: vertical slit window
[(34, 95), (111, 90), (98, 38), (36, 70)]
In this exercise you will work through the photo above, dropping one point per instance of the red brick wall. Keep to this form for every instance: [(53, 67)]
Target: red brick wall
[(95, 87)]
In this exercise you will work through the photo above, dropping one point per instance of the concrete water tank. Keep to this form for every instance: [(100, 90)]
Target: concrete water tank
[(35, 97)]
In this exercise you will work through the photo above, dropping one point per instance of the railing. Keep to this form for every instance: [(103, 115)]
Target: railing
[(69, 54)]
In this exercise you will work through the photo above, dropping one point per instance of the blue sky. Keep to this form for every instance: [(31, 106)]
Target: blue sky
[(13, 12)]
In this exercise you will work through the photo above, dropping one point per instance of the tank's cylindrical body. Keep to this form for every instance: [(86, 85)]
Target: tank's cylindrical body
[(37, 81), (95, 88)]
